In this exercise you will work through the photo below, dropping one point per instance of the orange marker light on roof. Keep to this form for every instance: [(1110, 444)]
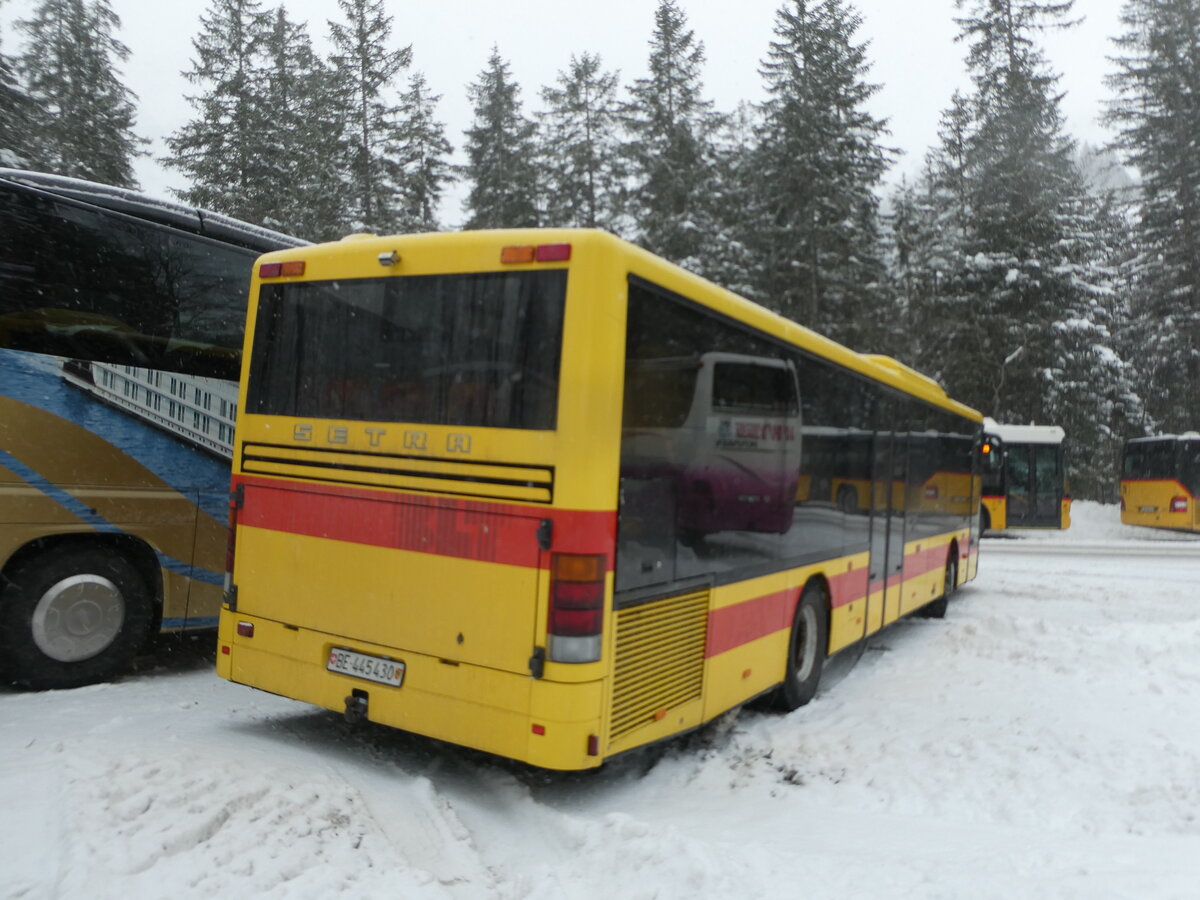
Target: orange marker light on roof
[(517, 254)]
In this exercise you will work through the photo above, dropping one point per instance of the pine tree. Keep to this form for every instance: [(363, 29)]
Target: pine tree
[(424, 152), (83, 115), (1158, 115), (819, 161), (501, 151), (301, 144), (731, 208), (1030, 307), (15, 115), (366, 73), (672, 153), (222, 150), (581, 147), (931, 232)]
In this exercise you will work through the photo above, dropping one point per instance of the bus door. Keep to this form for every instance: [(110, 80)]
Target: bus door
[(1034, 486), (887, 526)]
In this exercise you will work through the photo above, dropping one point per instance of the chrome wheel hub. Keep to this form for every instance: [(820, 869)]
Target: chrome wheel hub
[(78, 618)]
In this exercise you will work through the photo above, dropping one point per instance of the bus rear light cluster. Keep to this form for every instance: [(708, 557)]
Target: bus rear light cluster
[(1179, 504), (526, 253), (576, 617), (235, 503), (281, 269)]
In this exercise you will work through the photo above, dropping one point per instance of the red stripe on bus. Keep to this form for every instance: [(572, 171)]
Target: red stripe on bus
[(848, 587), (462, 529), (733, 626)]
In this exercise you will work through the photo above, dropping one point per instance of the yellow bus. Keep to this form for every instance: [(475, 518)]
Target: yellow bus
[(1028, 487), (121, 324), (521, 491), (1160, 482)]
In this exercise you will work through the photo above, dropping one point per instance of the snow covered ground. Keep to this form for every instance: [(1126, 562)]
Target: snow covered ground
[(1042, 741)]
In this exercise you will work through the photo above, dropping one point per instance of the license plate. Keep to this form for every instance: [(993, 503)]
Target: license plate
[(1147, 509), (370, 668)]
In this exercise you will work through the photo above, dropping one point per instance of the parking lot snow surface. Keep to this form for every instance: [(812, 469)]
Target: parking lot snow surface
[(1041, 741)]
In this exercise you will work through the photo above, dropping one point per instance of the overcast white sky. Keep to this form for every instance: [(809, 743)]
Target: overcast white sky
[(912, 52)]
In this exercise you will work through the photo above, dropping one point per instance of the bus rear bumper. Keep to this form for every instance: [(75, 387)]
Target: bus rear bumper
[(542, 723)]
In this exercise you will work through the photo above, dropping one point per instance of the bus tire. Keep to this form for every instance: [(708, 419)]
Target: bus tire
[(72, 615), (847, 499), (806, 650), (985, 520), (936, 609)]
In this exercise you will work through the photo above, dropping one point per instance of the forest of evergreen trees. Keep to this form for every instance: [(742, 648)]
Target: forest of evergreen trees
[(1004, 270)]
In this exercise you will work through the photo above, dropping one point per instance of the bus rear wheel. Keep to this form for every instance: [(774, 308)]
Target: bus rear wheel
[(936, 609), (806, 650), (71, 615)]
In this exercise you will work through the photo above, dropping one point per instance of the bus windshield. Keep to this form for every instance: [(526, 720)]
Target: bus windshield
[(459, 349)]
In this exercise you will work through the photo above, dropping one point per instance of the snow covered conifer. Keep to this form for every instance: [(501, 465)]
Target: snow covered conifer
[(83, 114), (818, 162), (222, 150), (301, 141), (671, 151), (581, 157), (366, 70), (15, 114), (424, 152), (501, 150), (1028, 303), (1157, 113)]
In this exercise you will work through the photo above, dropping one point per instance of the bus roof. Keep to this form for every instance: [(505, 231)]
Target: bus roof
[(163, 212), (479, 245), (1185, 436), (1025, 434)]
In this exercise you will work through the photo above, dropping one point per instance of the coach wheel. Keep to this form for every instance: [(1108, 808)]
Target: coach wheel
[(806, 650), (985, 520), (71, 616), (937, 609), (847, 499)]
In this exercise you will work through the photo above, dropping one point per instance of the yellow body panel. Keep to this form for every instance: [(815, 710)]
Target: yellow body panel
[(1147, 502), (391, 597), (470, 705), (997, 510)]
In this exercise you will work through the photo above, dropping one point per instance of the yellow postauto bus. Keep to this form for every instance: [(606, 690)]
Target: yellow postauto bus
[(121, 323), (1027, 484), (1160, 482), (538, 492)]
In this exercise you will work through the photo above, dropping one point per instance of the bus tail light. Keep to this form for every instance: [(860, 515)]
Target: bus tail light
[(235, 504), (1179, 504), (576, 617)]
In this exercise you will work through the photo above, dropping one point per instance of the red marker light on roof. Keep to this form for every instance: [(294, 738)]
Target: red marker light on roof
[(278, 269), (553, 252)]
